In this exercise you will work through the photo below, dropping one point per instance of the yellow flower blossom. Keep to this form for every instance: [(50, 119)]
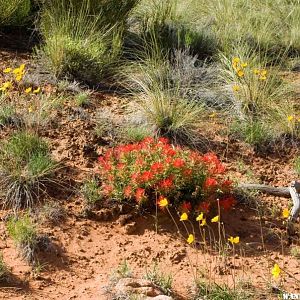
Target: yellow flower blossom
[(6, 85), (7, 70), (212, 115), (263, 77), (263, 72), (19, 77), (184, 217), (234, 240), (285, 213), (203, 223), (290, 118), (200, 217), (235, 88), (28, 90), (163, 202), (235, 60), (215, 219), (256, 71), (37, 90), (190, 239), (30, 109), (244, 65), (240, 73), (276, 271)]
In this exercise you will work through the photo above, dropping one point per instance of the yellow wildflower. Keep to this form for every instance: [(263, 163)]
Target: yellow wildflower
[(240, 73), (276, 271), (263, 72), (200, 217), (28, 90), (212, 115), (234, 240), (256, 71), (7, 70), (290, 118), (19, 77), (215, 219), (6, 85), (235, 60), (190, 239), (184, 217), (263, 77), (30, 109), (22, 67), (244, 65), (37, 90), (235, 88), (203, 223), (163, 202), (285, 213)]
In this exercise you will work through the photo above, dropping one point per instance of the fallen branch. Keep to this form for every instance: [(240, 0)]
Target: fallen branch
[(292, 191)]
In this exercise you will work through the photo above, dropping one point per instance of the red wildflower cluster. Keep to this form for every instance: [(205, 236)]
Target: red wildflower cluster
[(155, 168)]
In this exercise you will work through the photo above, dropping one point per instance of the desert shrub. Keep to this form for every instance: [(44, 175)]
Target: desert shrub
[(4, 272), (52, 212), (83, 39), (24, 234), (14, 12), (25, 168), (152, 169)]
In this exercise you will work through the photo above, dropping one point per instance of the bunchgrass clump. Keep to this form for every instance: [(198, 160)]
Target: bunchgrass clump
[(297, 164), (161, 280), (4, 272), (83, 39), (82, 99), (213, 291), (25, 168), (14, 13), (24, 234), (136, 133)]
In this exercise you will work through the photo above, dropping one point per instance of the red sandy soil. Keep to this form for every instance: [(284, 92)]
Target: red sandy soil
[(86, 252)]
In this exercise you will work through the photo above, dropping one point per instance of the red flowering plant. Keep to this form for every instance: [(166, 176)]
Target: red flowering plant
[(151, 169)]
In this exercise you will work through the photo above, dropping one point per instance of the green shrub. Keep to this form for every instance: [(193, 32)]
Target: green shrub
[(26, 167), (83, 39), (24, 234)]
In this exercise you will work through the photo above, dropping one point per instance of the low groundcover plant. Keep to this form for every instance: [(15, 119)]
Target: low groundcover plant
[(153, 169)]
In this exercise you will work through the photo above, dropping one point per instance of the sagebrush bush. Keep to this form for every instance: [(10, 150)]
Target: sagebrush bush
[(25, 169), (83, 39), (149, 170), (24, 234)]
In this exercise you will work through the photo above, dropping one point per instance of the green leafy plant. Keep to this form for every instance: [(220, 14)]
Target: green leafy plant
[(90, 191), (26, 167), (24, 233)]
